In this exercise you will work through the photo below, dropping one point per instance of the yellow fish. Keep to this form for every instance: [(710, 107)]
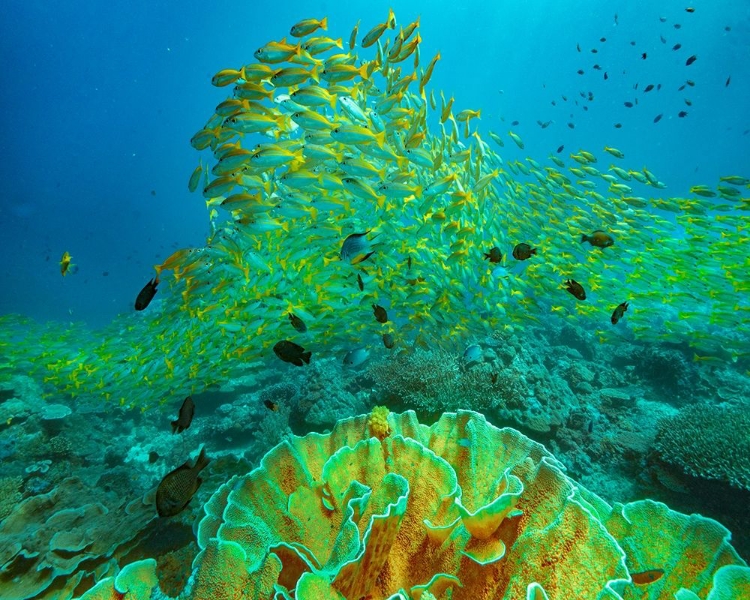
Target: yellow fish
[(65, 263), (308, 26)]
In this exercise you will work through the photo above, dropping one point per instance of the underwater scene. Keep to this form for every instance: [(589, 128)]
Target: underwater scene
[(372, 301)]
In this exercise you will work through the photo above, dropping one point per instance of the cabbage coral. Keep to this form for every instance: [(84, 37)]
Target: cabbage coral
[(460, 509)]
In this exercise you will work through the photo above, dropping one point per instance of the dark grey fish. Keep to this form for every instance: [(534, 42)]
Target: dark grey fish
[(146, 294), (179, 486), (185, 416), (292, 353)]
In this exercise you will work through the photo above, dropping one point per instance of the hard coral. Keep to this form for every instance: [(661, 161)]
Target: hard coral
[(10, 494), (460, 505), (708, 442), (379, 422)]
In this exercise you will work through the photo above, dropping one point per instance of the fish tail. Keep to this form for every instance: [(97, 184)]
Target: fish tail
[(324, 23), (532, 251), (174, 427), (306, 357), (584, 238), (202, 460)]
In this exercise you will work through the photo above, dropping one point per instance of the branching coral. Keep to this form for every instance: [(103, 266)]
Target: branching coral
[(433, 380), (709, 442)]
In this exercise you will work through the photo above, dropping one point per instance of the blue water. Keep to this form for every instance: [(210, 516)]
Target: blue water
[(99, 102)]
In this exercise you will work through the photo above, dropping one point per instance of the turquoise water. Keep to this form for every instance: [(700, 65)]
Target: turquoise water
[(98, 114)]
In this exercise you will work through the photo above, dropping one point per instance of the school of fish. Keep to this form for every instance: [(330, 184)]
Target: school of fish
[(353, 211)]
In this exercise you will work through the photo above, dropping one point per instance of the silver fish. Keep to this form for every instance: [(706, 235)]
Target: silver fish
[(356, 245), (356, 357)]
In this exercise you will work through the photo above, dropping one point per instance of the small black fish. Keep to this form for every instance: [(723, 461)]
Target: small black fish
[(360, 283), (682, 87), (644, 56), (560, 149), (635, 87), (381, 316), (493, 377), (185, 416), (571, 125), (688, 102), (619, 312), (663, 19), (597, 68), (580, 71), (565, 98), (632, 43), (606, 76), (270, 405), (408, 262), (615, 18), (691, 60), (658, 86), (690, 82), (682, 114), (676, 46), (726, 83), (292, 353), (494, 255), (297, 323), (657, 118), (594, 50), (146, 294), (388, 341), (544, 124), (618, 125), (578, 47), (575, 288), (514, 123), (663, 40), (690, 9), (677, 25), (603, 39), (591, 426), (727, 28), (179, 486), (628, 105), (523, 251), (648, 88)]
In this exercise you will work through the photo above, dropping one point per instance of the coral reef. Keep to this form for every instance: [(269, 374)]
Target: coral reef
[(54, 540), (709, 442), (459, 505)]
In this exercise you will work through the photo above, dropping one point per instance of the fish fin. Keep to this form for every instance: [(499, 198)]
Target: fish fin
[(306, 357), (175, 427), (202, 460)]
